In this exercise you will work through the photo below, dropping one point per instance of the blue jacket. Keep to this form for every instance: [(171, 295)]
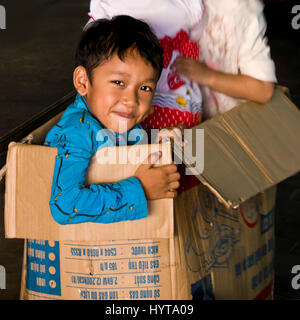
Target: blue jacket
[(77, 137)]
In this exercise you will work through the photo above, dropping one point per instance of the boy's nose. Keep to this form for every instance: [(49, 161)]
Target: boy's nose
[(130, 98)]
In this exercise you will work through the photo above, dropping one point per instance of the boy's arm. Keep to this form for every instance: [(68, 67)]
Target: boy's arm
[(73, 202)]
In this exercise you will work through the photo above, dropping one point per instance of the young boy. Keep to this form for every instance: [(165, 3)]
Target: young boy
[(118, 64)]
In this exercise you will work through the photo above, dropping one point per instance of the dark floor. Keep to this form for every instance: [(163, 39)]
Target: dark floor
[(36, 54)]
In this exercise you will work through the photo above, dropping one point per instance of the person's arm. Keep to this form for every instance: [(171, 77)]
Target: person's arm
[(256, 78), (72, 201), (237, 86)]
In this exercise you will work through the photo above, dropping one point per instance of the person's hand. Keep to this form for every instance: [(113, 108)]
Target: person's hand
[(175, 133), (195, 70), (158, 182), (238, 86)]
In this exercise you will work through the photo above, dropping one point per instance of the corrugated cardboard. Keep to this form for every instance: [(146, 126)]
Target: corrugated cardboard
[(215, 252), (250, 148), (227, 252), (223, 242), (29, 179), (103, 270)]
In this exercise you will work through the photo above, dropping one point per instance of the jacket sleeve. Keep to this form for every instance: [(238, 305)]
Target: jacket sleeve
[(74, 202)]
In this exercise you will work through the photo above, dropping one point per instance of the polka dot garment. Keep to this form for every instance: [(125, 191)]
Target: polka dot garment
[(176, 104), (182, 44), (162, 117)]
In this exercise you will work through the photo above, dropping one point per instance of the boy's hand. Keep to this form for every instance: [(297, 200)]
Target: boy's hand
[(159, 182), (195, 70), (174, 133)]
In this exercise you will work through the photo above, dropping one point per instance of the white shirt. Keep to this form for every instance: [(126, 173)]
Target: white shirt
[(165, 17), (233, 42)]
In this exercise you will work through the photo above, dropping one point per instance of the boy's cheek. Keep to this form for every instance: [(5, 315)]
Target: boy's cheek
[(147, 109)]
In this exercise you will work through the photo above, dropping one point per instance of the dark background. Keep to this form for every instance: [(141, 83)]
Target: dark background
[(285, 49), (36, 64)]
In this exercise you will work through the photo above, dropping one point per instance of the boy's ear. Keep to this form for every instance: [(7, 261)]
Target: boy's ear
[(80, 80)]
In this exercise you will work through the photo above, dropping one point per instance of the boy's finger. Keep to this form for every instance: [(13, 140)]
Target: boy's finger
[(174, 177), (170, 168), (174, 185), (171, 194)]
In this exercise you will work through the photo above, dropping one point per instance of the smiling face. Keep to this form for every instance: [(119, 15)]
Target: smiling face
[(120, 93)]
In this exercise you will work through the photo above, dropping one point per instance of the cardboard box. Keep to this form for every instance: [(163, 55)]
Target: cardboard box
[(220, 241), (213, 250)]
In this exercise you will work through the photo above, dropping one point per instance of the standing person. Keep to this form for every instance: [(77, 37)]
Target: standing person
[(178, 26), (234, 57)]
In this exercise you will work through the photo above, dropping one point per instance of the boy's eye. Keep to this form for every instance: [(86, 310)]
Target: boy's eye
[(118, 82), (146, 88)]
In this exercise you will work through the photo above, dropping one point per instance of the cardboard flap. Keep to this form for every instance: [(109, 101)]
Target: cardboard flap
[(28, 187), (250, 148)]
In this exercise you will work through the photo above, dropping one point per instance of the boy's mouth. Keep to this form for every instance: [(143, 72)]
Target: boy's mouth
[(125, 115)]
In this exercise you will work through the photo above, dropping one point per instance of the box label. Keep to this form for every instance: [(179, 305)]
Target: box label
[(136, 269), (43, 267)]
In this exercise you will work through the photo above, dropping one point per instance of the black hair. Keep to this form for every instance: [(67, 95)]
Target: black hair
[(103, 38)]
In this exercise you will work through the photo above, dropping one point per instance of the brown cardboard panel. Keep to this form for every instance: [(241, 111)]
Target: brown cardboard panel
[(234, 248), (227, 253), (99, 270), (250, 148), (28, 187)]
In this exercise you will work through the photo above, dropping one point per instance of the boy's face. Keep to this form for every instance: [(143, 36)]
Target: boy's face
[(121, 92)]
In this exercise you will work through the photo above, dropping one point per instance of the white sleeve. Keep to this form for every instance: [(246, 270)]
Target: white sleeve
[(254, 57), (196, 10)]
